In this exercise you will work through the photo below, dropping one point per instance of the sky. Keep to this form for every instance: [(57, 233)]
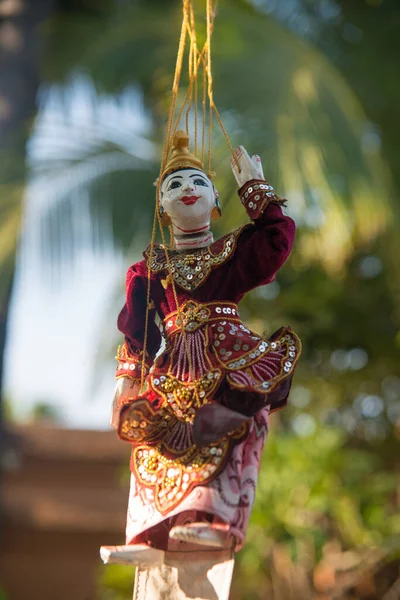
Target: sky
[(53, 340)]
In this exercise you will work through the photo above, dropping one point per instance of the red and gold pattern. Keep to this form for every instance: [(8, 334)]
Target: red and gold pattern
[(210, 357), (130, 365), (184, 397), (255, 195), (221, 346), (192, 269), (193, 315), (164, 456), (253, 363), (172, 479), (139, 422)]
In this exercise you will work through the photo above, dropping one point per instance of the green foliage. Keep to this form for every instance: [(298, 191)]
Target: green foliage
[(45, 412), (116, 582), (313, 490), (311, 485), (3, 595)]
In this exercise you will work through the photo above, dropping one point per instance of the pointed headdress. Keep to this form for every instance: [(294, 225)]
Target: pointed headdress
[(181, 157)]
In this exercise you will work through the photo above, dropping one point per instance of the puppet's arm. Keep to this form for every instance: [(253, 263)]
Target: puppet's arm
[(264, 246), (136, 353), (254, 192)]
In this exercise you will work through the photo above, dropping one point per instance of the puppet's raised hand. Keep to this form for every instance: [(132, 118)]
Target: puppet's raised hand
[(245, 168)]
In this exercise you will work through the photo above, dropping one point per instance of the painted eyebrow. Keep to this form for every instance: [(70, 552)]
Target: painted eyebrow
[(175, 177), (198, 175)]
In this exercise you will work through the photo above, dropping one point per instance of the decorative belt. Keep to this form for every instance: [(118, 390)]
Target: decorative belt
[(192, 315)]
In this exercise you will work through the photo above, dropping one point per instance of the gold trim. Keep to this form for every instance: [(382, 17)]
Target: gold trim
[(172, 480), (191, 269)]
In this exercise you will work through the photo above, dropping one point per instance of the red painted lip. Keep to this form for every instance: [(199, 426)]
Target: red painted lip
[(189, 200)]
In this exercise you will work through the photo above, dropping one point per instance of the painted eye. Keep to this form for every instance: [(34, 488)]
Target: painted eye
[(200, 182), (174, 185)]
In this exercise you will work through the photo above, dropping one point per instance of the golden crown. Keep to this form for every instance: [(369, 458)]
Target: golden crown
[(181, 157)]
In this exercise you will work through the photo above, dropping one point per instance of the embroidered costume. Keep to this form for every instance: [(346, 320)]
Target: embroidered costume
[(199, 427)]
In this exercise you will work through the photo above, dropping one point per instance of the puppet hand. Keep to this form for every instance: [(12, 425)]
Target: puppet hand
[(245, 168), (127, 388)]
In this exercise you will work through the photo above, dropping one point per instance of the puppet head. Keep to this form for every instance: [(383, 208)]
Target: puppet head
[(188, 198)]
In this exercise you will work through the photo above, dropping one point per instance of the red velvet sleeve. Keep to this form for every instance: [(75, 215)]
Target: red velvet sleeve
[(264, 246), (131, 322)]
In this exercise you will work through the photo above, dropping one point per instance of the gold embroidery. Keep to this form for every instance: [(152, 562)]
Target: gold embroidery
[(130, 365), (190, 271), (173, 479), (169, 472), (165, 282), (192, 316), (140, 423), (184, 397)]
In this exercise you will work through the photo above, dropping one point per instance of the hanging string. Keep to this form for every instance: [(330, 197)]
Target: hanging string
[(148, 299), (190, 87), (157, 218), (203, 115), (194, 73), (175, 88), (213, 108), (199, 61), (192, 55), (209, 84)]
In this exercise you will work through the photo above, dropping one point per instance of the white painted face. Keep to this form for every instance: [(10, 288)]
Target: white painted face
[(188, 198)]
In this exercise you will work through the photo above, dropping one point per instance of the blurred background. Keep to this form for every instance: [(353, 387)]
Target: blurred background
[(311, 86)]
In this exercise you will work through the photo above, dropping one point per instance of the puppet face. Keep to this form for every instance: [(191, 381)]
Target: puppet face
[(188, 198)]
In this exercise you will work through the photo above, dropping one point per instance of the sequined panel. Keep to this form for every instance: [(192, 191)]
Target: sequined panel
[(184, 397), (140, 422), (255, 196), (191, 269), (255, 363), (173, 478), (164, 456)]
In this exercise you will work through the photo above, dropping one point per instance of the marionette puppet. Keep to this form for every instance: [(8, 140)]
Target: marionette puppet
[(199, 426), (195, 385)]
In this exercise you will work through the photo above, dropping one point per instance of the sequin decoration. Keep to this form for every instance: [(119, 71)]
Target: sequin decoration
[(255, 195), (184, 397), (171, 479), (192, 316), (253, 363), (130, 364), (140, 423), (191, 269)]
